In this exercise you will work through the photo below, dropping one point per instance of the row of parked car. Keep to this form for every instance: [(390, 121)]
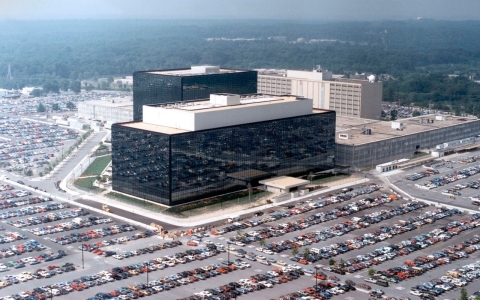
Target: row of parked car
[(451, 177), (75, 237), (326, 289), (331, 199), (361, 262), (454, 278), (248, 285), (25, 276), (9, 237), (76, 223), (28, 246), (31, 210), (402, 248), (341, 229), (21, 202), (421, 264)]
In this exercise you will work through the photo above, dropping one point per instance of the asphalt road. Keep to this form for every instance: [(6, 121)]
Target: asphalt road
[(127, 214)]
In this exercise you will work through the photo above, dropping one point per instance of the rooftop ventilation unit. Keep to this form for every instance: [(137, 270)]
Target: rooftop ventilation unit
[(398, 125)]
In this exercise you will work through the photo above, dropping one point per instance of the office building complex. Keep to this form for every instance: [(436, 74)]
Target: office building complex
[(185, 151), (113, 110), (153, 87), (363, 143), (348, 97)]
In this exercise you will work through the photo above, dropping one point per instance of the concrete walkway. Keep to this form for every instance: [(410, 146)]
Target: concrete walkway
[(218, 215)]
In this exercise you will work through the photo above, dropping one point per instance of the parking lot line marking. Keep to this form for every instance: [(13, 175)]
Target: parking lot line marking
[(258, 270), (400, 288), (358, 276)]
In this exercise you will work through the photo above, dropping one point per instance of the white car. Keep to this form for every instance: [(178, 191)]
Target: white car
[(116, 256), (416, 292), (267, 251)]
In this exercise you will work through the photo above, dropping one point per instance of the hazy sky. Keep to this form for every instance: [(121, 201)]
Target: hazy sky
[(241, 9)]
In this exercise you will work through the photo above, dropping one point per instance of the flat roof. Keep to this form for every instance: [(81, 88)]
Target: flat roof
[(382, 130), (152, 127), (126, 102), (204, 105), (284, 182), (189, 72)]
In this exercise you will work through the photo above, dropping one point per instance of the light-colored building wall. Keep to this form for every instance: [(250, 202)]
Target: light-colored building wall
[(106, 111), (352, 98), (203, 115)]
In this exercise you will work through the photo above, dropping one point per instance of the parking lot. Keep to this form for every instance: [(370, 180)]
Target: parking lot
[(456, 193), (31, 145), (344, 227)]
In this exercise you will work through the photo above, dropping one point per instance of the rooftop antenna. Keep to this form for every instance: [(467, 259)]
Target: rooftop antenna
[(9, 74)]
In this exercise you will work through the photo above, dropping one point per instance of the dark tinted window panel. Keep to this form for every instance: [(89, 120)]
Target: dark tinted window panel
[(190, 166)]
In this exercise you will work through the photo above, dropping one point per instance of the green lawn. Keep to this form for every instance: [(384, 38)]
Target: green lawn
[(134, 201), (97, 166), (85, 183)]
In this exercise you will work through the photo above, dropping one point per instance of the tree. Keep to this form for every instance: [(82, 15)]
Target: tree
[(40, 108), (36, 92), (294, 251), (371, 272), (239, 233), (110, 79), (331, 262), (64, 84), (55, 106), (29, 173), (393, 114), (76, 86), (306, 253), (310, 176), (51, 86), (261, 242), (342, 263), (70, 105), (463, 294), (416, 113)]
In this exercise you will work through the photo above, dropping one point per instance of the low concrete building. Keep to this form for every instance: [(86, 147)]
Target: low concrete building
[(112, 110), (364, 143), (284, 184)]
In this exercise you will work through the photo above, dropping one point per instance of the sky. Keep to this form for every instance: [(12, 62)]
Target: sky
[(320, 10)]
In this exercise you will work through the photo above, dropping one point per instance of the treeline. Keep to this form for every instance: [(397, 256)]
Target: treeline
[(59, 54)]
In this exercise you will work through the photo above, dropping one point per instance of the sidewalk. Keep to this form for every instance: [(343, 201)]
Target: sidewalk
[(219, 215)]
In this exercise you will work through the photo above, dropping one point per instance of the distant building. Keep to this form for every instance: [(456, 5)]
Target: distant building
[(197, 82), (348, 97), (364, 143), (112, 110), (190, 150)]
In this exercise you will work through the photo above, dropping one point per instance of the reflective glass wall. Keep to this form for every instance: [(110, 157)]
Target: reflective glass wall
[(150, 88), (141, 163), (217, 161)]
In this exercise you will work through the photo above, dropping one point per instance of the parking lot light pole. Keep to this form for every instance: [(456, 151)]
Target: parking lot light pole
[(147, 278), (83, 262), (316, 278), (51, 293), (228, 252)]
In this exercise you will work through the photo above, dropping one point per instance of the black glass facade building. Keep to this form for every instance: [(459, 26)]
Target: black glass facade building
[(153, 87), (177, 168)]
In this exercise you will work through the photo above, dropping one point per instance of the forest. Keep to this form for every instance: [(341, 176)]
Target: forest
[(417, 55)]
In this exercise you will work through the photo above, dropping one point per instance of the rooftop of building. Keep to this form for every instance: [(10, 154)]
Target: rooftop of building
[(221, 110), (204, 105), (119, 102), (382, 130), (195, 71)]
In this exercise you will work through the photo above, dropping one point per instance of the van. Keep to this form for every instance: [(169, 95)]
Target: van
[(382, 282)]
